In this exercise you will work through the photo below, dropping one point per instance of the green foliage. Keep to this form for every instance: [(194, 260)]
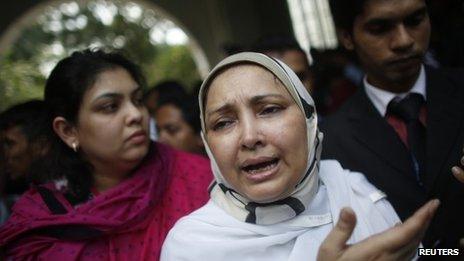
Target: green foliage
[(57, 33), (173, 62), (19, 81)]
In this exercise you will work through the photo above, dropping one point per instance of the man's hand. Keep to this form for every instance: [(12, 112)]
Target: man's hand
[(458, 171), (397, 243)]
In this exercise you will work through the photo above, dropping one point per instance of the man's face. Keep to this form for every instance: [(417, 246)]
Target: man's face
[(390, 38), (298, 62), (18, 156)]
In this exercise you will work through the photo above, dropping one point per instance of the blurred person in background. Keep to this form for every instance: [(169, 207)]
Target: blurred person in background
[(152, 96), (178, 123), (325, 79), (286, 49), (23, 145)]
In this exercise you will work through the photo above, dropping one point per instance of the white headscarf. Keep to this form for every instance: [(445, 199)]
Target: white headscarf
[(278, 230), (298, 201)]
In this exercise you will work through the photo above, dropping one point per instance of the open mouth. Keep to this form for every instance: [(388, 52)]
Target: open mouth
[(263, 166)]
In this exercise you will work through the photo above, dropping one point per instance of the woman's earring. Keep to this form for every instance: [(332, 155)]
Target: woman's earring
[(74, 146)]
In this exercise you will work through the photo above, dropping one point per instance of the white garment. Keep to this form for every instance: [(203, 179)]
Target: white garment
[(380, 98), (211, 234), (153, 130)]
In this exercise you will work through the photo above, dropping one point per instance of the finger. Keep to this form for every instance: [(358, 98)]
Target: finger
[(409, 250), (461, 243), (416, 227), (458, 173), (413, 229), (407, 236), (402, 241), (336, 239)]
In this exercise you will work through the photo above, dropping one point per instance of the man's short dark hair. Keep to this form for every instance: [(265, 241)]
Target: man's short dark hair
[(166, 88), (276, 43), (344, 12), (188, 105)]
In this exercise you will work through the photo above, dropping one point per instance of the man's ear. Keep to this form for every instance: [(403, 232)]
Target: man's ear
[(66, 131), (346, 39)]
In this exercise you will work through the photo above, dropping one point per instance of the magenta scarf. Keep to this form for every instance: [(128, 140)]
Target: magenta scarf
[(127, 222)]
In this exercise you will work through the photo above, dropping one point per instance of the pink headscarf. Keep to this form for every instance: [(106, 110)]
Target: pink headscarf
[(127, 222)]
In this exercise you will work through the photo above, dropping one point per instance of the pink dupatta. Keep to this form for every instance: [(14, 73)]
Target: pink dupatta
[(127, 222)]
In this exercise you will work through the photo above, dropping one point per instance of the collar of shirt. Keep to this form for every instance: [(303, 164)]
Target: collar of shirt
[(380, 98)]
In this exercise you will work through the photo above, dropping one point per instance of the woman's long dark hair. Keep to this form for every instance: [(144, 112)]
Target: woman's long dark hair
[(65, 88)]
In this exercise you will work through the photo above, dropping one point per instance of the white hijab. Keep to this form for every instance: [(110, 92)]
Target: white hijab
[(298, 201), (231, 227)]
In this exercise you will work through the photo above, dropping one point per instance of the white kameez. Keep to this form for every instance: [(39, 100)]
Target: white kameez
[(211, 234)]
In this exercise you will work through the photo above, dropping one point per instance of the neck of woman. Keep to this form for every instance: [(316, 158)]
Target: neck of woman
[(107, 178), (103, 183)]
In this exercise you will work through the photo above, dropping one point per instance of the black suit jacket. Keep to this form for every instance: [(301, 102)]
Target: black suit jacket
[(362, 140)]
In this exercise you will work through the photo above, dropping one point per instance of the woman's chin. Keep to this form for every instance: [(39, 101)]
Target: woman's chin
[(265, 195), (136, 155)]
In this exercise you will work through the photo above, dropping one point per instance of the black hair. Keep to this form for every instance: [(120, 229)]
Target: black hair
[(28, 116), (344, 12), (166, 88), (64, 91), (188, 105), (279, 43)]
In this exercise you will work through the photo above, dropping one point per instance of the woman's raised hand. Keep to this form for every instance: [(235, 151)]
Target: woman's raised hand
[(397, 243)]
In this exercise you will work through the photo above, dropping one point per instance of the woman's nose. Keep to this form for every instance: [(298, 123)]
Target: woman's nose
[(251, 136), (135, 113)]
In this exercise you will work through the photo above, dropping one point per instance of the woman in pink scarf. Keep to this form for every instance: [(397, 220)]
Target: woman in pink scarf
[(111, 195)]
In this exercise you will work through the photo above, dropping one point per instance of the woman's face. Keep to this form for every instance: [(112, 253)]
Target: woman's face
[(112, 128), (256, 132)]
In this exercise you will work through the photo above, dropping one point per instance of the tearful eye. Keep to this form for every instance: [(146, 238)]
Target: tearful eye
[(221, 125), (271, 109)]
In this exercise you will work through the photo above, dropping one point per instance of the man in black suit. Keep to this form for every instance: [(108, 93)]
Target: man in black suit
[(408, 157)]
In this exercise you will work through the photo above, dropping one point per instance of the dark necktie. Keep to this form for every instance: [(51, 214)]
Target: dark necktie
[(408, 110)]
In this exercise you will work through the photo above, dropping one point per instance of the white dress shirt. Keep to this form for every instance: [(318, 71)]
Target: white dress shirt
[(380, 98)]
